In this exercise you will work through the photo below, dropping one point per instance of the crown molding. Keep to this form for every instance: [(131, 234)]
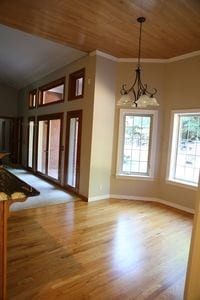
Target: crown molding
[(145, 60), (184, 56), (103, 54)]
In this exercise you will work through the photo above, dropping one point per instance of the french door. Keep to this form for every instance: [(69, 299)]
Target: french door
[(31, 134), (49, 132), (73, 150)]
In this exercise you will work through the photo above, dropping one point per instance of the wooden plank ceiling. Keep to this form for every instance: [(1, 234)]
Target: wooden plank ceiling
[(172, 28)]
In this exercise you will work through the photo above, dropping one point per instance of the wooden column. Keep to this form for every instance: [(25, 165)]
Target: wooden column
[(192, 286), (3, 248)]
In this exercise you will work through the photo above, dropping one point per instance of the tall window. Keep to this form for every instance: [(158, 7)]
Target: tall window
[(185, 148), (136, 142)]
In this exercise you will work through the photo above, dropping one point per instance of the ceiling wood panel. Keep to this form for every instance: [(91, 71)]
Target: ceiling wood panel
[(172, 28)]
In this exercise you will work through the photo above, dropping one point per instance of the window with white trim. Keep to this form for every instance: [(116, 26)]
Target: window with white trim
[(136, 144), (185, 148)]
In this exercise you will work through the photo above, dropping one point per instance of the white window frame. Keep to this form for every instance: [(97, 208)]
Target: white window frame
[(173, 148), (152, 143)]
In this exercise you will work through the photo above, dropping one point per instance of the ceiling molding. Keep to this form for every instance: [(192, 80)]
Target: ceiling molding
[(103, 54), (184, 56), (145, 60)]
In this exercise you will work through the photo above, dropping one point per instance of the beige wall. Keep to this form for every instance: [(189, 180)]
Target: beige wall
[(102, 130), (154, 75), (181, 92), (177, 84)]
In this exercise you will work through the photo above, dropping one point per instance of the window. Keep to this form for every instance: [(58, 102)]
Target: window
[(76, 85), (136, 152), (52, 92), (185, 148), (32, 98)]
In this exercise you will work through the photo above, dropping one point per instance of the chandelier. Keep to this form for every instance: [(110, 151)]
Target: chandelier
[(138, 95)]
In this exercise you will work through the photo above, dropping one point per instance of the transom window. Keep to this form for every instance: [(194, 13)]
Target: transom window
[(185, 149), (52, 92), (32, 98), (76, 85), (135, 149)]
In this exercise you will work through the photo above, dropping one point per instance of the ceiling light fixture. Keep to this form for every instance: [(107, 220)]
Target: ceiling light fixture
[(138, 95)]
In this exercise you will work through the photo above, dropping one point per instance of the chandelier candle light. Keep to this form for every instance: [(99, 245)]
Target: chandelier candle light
[(138, 95)]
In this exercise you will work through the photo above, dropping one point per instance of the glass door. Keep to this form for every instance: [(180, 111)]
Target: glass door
[(54, 148), (73, 150), (48, 146), (31, 130)]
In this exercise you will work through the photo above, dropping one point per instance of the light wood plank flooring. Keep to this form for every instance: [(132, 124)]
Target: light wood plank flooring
[(111, 249)]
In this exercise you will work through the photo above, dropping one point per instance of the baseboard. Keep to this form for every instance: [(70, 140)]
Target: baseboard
[(97, 198), (178, 206), (154, 199), (127, 197)]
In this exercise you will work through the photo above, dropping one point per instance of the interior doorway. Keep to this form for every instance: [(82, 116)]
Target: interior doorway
[(11, 138)]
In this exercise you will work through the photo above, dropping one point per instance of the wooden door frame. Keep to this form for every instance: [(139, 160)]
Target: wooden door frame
[(73, 114), (48, 118)]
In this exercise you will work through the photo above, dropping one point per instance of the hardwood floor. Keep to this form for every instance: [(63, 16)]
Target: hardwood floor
[(105, 250)]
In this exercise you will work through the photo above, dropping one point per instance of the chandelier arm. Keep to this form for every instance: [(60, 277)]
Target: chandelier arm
[(134, 83), (123, 90), (151, 93)]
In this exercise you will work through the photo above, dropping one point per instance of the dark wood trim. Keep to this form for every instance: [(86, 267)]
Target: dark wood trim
[(72, 84), (33, 93), (73, 114), (48, 86), (3, 135)]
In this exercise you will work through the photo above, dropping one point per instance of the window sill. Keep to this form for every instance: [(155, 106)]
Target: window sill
[(182, 184), (134, 177)]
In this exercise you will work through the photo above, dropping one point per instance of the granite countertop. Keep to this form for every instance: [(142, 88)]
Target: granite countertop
[(13, 188)]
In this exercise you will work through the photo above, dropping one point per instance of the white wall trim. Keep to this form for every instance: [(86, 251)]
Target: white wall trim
[(154, 199), (184, 56), (97, 198), (178, 206), (102, 54), (139, 198), (145, 60)]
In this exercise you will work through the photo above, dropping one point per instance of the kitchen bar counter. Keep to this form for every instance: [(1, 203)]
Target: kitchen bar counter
[(12, 189)]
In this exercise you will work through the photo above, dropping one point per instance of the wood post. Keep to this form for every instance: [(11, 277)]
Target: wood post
[(3, 248)]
